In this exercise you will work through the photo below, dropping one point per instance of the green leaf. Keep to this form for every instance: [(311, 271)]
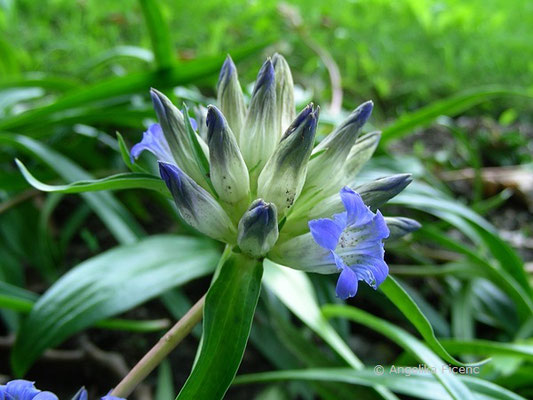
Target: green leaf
[(125, 155), (228, 313), (159, 33), (420, 385), (401, 299), (294, 289), (112, 213), (113, 182), (450, 106), (524, 351), (133, 83), (18, 299), (118, 52), (109, 284), (165, 384), (451, 383)]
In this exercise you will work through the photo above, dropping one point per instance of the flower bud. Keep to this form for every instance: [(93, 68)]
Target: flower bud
[(260, 134), (229, 174), (401, 226), (361, 152), (178, 138), (378, 192), (230, 98), (325, 169), (283, 176), (258, 229), (200, 115), (284, 92), (196, 206)]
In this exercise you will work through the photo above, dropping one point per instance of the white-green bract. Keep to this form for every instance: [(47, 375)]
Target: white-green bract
[(253, 177)]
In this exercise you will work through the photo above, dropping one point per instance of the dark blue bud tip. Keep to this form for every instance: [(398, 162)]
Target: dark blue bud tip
[(265, 77), (156, 101), (308, 116), (215, 121), (171, 174), (261, 212), (228, 69), (364, 111)]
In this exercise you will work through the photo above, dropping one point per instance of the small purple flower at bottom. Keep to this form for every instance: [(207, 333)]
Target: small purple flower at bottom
[(20, 389), (355, 240)]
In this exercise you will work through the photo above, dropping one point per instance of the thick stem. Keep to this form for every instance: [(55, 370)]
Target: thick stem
[(165, 345)]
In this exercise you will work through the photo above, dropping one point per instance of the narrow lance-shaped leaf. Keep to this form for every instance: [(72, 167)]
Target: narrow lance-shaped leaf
[(457, 389), (106, 285), (228, 314)]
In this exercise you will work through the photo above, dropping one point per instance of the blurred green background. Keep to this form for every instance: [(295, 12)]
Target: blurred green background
[(402, 54)]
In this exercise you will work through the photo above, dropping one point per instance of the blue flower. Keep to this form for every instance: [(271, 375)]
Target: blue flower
[(154, 141), (355, 240), (20, 389)]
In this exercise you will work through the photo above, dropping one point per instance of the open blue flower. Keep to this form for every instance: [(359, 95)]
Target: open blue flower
[(355, 241), (20, 389)]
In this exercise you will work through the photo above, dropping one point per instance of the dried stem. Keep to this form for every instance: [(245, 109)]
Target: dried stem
[(158, 353)]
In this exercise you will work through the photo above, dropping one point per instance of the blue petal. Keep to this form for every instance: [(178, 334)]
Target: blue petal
[(347, 284), (381, 229), (374, 271), (45, 396), (109, 397), (21, 389), (357, 211), (325, 232), (154, 141), (194, 124)]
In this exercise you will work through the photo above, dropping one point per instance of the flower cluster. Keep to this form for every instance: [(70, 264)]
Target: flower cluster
[(20, 389), (251, 176)]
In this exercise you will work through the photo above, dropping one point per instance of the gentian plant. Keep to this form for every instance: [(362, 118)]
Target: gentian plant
[(252, 177), (258, 183)]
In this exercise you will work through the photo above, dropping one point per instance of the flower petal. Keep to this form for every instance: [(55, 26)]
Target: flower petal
[(325, 232), (21, 389), (45, 396), (374, 271), (357, 211), (347, 284), (154, 141)]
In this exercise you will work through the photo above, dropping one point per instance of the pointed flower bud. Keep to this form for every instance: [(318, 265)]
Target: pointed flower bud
[(178, 138), (258, 229), (283, 176), (330, 155), (401, 226), (196, 206), (284, 92), (228, 170), (230, 98), (378, 192), (260, 134), (200, 115), (361, 152)]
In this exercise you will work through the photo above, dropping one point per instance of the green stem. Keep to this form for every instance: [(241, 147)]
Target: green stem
[(158, 353)]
